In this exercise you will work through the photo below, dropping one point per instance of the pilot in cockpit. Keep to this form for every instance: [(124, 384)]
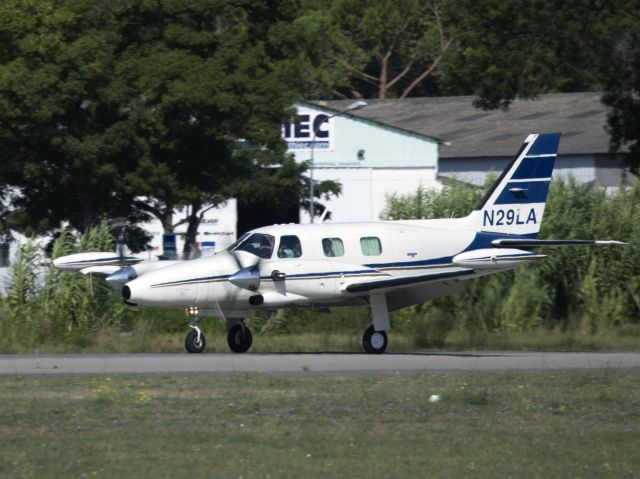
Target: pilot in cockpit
[(327, 247)]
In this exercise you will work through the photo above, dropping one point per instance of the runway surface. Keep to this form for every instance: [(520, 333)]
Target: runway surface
[(318, 364)]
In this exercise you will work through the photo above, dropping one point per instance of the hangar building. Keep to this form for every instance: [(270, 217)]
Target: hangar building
[(397, 144), (368, 157)]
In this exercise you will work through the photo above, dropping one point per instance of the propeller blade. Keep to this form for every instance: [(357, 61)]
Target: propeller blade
[(236, 259), (122, 223)]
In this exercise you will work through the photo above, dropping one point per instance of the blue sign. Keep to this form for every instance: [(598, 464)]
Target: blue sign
[(169, 245)]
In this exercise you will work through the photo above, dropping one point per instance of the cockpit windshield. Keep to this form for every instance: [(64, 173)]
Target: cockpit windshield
[(257, 243)]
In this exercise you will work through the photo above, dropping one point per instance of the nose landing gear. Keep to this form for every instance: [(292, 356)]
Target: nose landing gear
[(195, 341), (239, 336)]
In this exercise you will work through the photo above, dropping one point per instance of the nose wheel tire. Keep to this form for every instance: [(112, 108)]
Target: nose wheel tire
[(191, 343), (374, 342), (239, 338)]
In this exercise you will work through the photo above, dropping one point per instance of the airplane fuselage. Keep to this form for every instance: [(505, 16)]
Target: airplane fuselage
[(328, 260)]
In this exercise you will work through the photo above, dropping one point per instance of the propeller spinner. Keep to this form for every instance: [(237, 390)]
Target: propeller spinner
[(247, 277)]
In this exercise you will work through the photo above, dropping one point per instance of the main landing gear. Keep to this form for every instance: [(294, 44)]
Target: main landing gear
[(374, 339), (239, 337), (374, 342)]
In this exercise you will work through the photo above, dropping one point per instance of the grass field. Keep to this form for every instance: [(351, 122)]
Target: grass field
[(484, 425)]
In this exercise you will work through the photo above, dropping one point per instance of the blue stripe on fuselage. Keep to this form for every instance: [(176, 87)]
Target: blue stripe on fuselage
[(181, 282), (103, 260)]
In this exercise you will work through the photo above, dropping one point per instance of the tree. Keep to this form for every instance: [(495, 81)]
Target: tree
[(623, 95), (65, 142), (137, 106), (520, 48), (370, 48), (275, 193)]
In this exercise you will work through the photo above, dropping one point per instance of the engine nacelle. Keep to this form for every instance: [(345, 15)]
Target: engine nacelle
[(275, 299), (129, 273)]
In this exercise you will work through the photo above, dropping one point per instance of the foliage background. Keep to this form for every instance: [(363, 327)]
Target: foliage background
[(578, 294), (585, 290)]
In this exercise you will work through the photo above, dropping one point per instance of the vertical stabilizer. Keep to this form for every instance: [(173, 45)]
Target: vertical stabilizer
[(515, 203)]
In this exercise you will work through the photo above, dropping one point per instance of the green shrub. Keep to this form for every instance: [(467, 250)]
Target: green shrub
[(592, 289)]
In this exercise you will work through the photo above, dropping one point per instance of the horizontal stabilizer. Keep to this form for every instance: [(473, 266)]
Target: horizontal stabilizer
[(532, 243), (407, 280), (495, 258)]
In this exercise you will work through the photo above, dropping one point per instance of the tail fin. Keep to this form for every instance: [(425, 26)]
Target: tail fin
[(515, 203)]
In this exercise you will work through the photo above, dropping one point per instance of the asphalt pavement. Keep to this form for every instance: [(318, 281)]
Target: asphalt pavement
[(318, 364)]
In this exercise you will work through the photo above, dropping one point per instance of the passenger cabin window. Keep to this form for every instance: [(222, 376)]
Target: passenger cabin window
[(289, 247), (332, 247), (370, 246), (257, 243)]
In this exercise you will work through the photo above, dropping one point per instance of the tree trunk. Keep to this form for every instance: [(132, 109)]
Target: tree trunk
[(193, 223)]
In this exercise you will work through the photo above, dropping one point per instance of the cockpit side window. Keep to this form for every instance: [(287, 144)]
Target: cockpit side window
[(289, 247), (257, 243)]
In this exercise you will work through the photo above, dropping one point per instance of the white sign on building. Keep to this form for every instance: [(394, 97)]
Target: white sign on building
[(299, 135)]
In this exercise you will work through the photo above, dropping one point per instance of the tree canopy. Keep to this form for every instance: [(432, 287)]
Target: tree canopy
[(139, 107), (101, 103), (370, 48)]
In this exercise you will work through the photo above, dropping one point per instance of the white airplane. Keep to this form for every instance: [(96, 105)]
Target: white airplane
[(384, 265)]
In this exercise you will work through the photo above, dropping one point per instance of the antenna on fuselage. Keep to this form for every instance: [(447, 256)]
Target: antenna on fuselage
[(323, 215)]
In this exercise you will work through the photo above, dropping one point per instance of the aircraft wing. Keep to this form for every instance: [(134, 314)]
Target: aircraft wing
[(396, 282), (101, 271), (531, 243)]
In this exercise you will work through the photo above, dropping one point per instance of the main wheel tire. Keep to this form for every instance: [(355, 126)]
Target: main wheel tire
[(191, 343), (374, 342), (239, 338)]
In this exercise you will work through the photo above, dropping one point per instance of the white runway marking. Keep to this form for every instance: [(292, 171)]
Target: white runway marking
[(320, 364)]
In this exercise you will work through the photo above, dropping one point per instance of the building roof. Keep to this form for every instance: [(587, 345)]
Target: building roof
[(466, 131)]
